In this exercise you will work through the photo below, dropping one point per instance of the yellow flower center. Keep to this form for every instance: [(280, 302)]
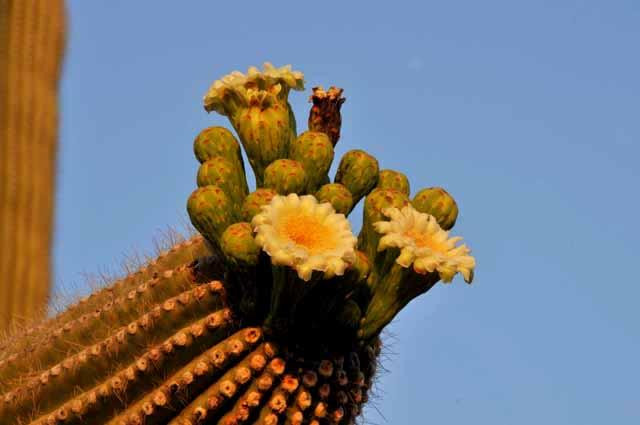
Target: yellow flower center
[(308, 231), (424, 240)]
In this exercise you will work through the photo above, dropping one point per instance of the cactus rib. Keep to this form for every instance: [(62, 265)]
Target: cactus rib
[(182, 253), (158, 405)]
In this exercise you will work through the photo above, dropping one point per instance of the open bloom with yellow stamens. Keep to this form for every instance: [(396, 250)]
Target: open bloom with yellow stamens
[(254, 87), (424, 244), (299, 232)]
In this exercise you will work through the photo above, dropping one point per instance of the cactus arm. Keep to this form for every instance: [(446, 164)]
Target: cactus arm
[(31, 46)]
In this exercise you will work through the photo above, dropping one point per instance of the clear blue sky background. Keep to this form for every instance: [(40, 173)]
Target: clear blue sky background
[(527, 112)]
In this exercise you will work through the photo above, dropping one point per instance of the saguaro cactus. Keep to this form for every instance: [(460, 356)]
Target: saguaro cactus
[(31, 47), (272, 316)]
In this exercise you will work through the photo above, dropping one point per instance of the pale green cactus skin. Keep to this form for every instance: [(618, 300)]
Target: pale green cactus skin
[(391, 179), (266, 135), (437, 202), (392, 291), (315, 152), (219, 171), (211, 212), (286, 176), (358, 172), (253, 203), (338, 196)]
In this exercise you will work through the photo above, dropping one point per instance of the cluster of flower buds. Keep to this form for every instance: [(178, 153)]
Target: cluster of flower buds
[(290, 239)]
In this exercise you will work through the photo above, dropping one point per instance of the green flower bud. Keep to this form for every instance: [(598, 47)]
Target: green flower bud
[(358, 172), (338, 195), (219, 171), (438, 203), (238, 244), (315, 152), (285, 176), (391, 179), (211, 212), (216, 141), (253, 203)]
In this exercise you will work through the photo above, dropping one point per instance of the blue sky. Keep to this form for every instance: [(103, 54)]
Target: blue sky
[(527, 112)]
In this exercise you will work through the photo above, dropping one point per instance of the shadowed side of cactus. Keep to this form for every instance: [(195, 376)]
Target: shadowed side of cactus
[(271, 316), (31, 50)]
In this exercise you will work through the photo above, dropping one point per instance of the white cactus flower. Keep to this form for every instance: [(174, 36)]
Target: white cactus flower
[(298, 232), (424, 245)]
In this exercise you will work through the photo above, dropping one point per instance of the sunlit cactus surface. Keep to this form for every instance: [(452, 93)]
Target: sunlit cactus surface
[(272, 315)]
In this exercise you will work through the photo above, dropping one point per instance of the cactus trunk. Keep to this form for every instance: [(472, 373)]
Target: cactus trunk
[(31, 46)]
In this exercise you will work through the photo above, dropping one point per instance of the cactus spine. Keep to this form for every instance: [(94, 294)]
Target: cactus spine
[(271, 316)]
